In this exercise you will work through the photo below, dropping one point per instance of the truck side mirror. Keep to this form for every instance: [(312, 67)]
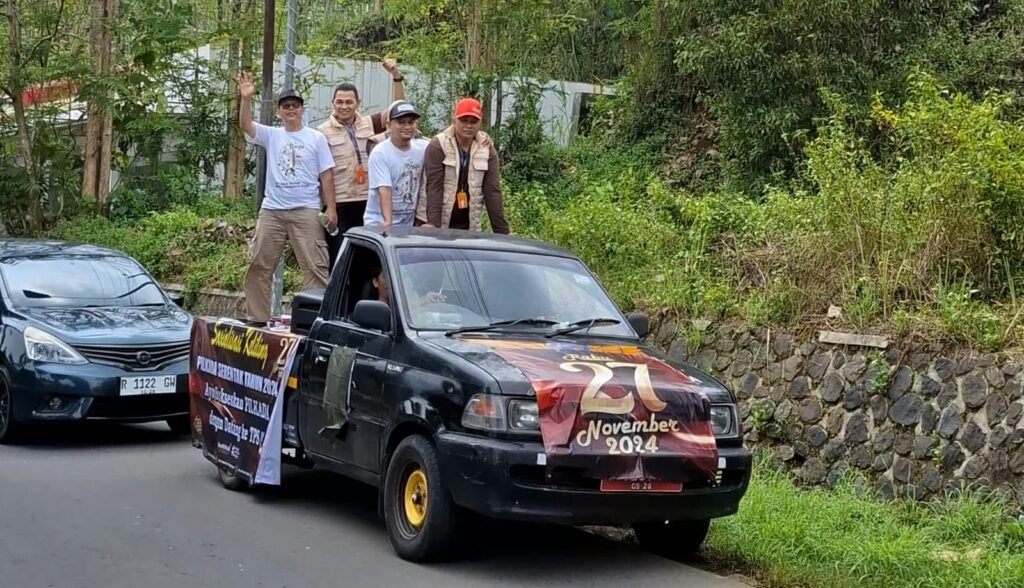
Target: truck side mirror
[(640, 323), (372, 314)]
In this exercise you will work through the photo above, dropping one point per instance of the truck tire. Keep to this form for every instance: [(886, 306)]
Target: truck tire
[(674, 538), (418, 511), (229, 480)]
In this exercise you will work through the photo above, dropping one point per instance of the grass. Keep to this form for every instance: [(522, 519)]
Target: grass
[(786, 536)]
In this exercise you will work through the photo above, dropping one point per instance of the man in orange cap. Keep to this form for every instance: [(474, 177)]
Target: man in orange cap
[(463, 176)]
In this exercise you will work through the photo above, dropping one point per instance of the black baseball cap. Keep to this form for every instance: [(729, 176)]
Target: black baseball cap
[(290, 94), (402, 108)]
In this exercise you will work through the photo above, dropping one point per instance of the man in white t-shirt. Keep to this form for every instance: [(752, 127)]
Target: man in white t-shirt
[(396, 170), (300, 182)]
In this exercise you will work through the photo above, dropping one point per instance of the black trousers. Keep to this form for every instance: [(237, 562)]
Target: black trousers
[(350, 214)]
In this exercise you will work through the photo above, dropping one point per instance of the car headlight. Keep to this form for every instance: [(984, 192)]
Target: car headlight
[(721, 420), (42, 346), (485, 412), (522, 415)]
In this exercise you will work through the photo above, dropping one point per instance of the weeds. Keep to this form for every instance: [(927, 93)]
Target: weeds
[(786, 535)]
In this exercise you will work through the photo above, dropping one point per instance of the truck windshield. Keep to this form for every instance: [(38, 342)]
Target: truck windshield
[(445, 289)]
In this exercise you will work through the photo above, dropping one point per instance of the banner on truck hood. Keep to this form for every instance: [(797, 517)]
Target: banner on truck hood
[(237, 378), (615, 411)]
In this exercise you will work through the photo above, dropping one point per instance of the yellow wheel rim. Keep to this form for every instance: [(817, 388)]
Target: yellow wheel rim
[(416, 498)]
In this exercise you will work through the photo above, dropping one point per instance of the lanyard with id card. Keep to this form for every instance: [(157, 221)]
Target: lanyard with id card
[(461, 198), (360, 170)]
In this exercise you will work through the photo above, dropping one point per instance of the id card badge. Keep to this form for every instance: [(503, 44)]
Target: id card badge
[(461, 200), (360, 175)]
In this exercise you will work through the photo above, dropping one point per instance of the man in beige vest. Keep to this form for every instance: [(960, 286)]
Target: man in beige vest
[(463, 176), (347, 132)]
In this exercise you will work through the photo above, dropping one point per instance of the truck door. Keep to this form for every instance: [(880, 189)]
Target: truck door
[(343, 387)]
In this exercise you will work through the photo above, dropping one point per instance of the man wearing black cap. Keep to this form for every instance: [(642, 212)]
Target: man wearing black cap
[(396, 170), (300, 181)]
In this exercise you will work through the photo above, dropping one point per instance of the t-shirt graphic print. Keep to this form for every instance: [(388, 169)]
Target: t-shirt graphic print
[(402, 171), (295, 161)]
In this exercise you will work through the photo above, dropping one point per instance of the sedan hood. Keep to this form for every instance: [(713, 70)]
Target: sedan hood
[(113, 325), (508, 369)]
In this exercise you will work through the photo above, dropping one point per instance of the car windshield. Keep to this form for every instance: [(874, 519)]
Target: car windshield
[(446, 289), (77, 281)]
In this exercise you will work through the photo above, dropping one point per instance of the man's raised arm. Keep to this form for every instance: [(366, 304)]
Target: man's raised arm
[(246, 89)]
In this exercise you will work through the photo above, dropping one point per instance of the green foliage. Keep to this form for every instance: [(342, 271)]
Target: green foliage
[(205, 246), (966, 320), (762, 416), (527, 155), (877, 373), (892, 205), (625, 230), (785, 536)]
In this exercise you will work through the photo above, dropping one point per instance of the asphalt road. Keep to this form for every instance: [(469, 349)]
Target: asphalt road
[(134, 506)]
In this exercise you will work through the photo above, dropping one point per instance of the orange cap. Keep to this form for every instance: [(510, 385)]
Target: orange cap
[(468, 107)]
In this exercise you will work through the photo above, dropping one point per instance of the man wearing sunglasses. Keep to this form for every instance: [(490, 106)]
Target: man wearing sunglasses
[(300, 181)]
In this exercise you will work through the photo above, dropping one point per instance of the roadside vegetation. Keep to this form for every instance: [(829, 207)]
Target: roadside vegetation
[(759, 160), (919, 234), (785, 536)]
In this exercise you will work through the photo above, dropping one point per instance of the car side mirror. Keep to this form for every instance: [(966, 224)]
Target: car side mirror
[(372, 314), (177, 298), (640, 323)]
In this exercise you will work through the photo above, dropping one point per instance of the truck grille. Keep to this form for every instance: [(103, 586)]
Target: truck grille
[(135, 357)]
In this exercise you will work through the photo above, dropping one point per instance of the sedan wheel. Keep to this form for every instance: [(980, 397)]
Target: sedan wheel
[(9, 428), (179, 425)]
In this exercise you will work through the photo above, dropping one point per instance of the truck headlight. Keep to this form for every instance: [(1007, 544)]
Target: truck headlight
[(485, 412), (721, 420), (522, 415), (42, 346)]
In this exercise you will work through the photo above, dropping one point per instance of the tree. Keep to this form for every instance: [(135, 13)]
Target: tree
[(240, 56), (14, 89), (99, 119)]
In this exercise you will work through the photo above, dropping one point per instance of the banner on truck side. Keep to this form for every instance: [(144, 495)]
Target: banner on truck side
[(237, 379), (615, 411)]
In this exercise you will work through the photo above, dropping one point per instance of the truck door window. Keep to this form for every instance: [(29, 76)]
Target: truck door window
[(358, 281)]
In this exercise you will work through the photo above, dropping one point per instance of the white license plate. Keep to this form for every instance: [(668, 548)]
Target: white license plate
[(142, 385)]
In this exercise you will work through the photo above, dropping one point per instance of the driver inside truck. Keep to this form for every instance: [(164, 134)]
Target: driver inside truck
[(380, 284)]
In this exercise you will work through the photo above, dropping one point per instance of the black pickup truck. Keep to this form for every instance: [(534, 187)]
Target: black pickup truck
[(461, 371)]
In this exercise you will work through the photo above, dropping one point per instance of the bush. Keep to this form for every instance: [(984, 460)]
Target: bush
[(202, 247), (895, 216)]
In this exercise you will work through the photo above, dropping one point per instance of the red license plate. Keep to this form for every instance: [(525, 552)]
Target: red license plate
[(640, 486)]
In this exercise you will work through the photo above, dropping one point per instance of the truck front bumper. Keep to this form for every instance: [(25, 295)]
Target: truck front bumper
[(505, 479)]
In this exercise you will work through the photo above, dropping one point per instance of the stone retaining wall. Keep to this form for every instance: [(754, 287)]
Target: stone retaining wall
[(217, 302), (912, 421)]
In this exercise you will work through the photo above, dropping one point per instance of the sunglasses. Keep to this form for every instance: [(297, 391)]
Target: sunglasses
[(290, 105)]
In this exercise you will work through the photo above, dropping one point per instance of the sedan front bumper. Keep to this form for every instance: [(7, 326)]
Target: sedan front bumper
[(61, 392)]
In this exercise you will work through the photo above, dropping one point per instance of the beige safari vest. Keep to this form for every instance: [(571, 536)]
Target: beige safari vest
[(479, 153), (345, 161)]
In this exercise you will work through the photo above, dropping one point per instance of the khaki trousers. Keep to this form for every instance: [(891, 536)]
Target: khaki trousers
[(300, 228)]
